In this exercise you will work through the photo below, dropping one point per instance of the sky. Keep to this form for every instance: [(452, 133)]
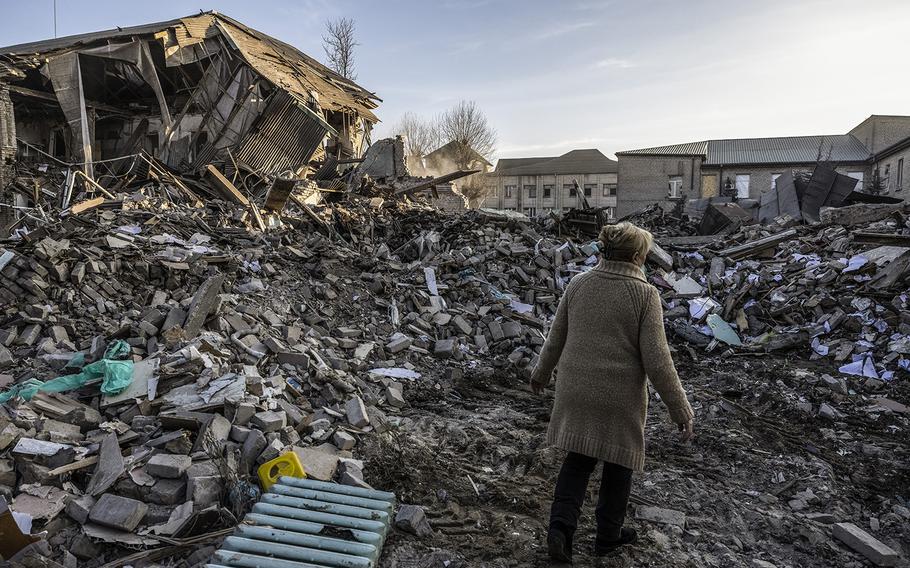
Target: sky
[(553, 76)]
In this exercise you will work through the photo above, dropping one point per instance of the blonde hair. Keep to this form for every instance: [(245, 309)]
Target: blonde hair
[(623, 240)]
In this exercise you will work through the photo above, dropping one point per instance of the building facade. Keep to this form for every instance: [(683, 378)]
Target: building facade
[(536, 186), (748, 167)]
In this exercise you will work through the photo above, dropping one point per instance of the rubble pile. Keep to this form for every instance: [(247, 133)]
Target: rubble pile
[(154, 353)]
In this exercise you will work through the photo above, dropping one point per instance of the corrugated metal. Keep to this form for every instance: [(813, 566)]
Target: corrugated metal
[(687, 149), (284, 136), (303, 522), (788, 150)]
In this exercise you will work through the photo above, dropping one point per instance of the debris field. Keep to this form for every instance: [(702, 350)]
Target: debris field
[(206, 265), (388, 345)]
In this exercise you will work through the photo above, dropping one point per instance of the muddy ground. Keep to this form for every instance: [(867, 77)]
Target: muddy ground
[(472, 452)]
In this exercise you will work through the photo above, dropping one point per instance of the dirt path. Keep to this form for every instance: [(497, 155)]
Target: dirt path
[(471, 452)]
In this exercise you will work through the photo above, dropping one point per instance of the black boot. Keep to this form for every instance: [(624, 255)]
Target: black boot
[(559, 544), (604, 547)]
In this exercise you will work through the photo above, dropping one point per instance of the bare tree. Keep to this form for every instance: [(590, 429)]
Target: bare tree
[(467, 124), (421, 136), (339, 43)]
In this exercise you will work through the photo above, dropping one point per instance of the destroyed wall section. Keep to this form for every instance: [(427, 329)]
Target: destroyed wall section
[(760, 176), (7, 154), (643, 180)]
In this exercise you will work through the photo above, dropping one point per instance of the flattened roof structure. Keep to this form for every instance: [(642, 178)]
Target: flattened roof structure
[(282, 64)]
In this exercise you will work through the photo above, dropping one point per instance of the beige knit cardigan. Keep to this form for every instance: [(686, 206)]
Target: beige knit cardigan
[(607, 339)]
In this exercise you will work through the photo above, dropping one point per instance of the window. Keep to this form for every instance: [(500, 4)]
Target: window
[(509, 189), (547, 190), (774, 181), (900, 175), (530, 211), (509, 208), (532, 191), (611, 212), (742, 185), (675, 187), (570, 187), (589, 187), (609, 190), (858, 176)]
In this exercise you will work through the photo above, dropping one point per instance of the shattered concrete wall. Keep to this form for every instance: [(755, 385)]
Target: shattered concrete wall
[(7, 156), (760, 176), (643, 180)]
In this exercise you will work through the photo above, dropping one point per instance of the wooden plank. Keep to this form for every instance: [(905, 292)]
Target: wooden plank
[(753, 247), (75, 466), (225, 186), (433, 182)]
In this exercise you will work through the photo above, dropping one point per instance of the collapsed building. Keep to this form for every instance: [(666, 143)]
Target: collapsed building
[(189, 92)]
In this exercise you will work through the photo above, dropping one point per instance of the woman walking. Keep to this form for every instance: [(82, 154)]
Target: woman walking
[(606, 340)]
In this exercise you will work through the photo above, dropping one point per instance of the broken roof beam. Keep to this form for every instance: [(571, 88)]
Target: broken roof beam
[(225, 187), (435, 181), (751, 248)]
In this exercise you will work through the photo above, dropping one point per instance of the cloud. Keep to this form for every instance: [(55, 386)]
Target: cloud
[(524, 149), (467, 46), (563, 29), (592, 6), (615, 63)]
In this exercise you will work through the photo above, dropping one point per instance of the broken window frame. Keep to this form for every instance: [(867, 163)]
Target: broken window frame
[(532, 191), (774, 181), (609, 189), (739, 187), (548, 190), (674, 187)]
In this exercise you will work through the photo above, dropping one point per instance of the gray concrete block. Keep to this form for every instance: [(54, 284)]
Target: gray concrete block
[(118, 512), (171, 466), (859, 540)]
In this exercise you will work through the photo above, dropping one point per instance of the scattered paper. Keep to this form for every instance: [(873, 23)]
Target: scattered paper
[(396, 373)]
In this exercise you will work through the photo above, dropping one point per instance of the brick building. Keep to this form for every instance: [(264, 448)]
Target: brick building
[(749, 166), (539, 185)]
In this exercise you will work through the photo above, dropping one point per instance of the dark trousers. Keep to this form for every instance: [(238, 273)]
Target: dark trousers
[(571, 487)]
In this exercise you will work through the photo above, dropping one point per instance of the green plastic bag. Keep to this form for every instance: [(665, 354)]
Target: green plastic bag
[(115, 372)]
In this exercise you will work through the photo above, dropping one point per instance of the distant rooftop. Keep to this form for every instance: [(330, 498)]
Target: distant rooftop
[(781, 150), (586, 161)]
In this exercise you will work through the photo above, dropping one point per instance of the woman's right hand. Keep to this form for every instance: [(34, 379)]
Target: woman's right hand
[(686, 431)]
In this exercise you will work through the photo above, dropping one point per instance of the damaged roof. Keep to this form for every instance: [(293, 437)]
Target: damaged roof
[(282, 64), (585, 161), (781, 150), (453, 147)]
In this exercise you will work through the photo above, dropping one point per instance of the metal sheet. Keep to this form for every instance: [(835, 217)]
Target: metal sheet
[(780, 201), (826, 188), (302, 522), (284, 136)]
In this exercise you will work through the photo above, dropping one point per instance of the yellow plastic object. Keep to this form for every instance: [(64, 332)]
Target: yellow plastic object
[(286, 464)]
